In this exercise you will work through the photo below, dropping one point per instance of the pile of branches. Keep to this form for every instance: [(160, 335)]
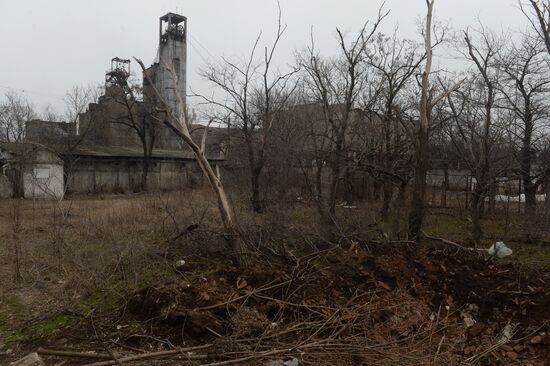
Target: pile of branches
[(322, 312)]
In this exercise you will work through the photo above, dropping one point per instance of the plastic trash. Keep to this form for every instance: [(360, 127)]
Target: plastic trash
[(499, 250)]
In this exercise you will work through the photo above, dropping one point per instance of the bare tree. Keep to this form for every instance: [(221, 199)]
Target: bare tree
[(139, 117), (178, 124), (416, 215), (475, 132), (50, 114), (15, 112), (428, 100), (77, 100), (334, 86), (396, 62), (256, 95), (539, 18), (525, 86)]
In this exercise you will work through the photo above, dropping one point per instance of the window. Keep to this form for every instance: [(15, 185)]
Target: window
[(41, 173)]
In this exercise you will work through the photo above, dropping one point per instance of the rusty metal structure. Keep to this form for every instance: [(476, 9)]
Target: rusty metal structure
[(119, 73)]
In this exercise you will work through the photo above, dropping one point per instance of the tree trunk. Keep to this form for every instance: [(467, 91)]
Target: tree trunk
[(529, 187), (547, 198), (416, 216), (492, 196), (178, 124), (530, 191), (349, 188), (387, 194), (387, 160), (256, 199), (336, 171), (445, 187), (475, 213)]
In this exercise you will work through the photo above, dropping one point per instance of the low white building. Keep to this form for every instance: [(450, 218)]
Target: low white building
[(34, 171)]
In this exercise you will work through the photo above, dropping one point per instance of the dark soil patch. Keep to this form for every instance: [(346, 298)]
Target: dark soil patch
[(395, 293)]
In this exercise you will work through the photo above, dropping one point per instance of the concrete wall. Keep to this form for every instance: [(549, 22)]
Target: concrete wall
[(106, 123), (6, 188), (94, 175), (34, 172), (43, 181), (49, 133)]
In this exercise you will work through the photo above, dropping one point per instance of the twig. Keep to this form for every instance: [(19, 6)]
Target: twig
[(250, 293), (456, 245), (53, 352), (251, 357), (152, 355)]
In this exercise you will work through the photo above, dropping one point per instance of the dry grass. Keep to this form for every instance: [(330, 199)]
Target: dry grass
[(66, 250), (92, 251)]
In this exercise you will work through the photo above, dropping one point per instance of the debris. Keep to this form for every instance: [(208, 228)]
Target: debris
[(180, 264), (499, 250), (507, 333), (384, 285), (537, 339), (292, 362), (31, 359), (518, 348), (512, 355), (469, 320), (476, 329), (241, 283)]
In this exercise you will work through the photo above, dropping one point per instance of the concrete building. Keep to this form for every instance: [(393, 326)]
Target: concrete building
[(33, 171), (119, 169), (172, 54), (118, 140)]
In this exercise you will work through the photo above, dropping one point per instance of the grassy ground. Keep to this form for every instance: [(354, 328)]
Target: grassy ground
[(61, 261), (529, 237)]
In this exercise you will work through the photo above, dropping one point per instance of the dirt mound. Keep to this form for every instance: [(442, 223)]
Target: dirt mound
[(396, 297), (344, 307)]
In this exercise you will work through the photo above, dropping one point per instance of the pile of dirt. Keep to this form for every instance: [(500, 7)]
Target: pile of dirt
[(342, 307)]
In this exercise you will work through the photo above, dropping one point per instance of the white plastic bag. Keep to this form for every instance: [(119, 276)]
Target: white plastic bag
[(499, 250)]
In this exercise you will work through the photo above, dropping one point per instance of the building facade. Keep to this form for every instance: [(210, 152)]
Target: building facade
[(119, 140)]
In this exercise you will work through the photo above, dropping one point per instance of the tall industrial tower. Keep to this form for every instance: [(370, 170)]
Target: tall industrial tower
[(172, 53)]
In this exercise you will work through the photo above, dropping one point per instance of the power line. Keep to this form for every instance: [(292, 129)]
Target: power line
[(200, 44), (212, 57), (198, 52)]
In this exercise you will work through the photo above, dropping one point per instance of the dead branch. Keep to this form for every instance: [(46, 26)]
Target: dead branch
[(154, 355), (456, 245), (54, 352)]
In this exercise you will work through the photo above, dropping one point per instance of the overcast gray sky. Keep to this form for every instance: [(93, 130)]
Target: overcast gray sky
[(48, 46)]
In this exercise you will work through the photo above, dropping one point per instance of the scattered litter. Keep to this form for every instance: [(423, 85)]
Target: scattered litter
[(521, 198), (507, 333), (499, 250), (292, 362), (180, 264), (469, 320)]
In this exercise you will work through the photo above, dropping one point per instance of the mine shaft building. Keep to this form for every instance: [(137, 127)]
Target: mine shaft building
[(171, 61), (117, 138)]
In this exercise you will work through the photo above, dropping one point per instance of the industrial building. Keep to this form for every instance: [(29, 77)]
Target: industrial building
[(119, 144)]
